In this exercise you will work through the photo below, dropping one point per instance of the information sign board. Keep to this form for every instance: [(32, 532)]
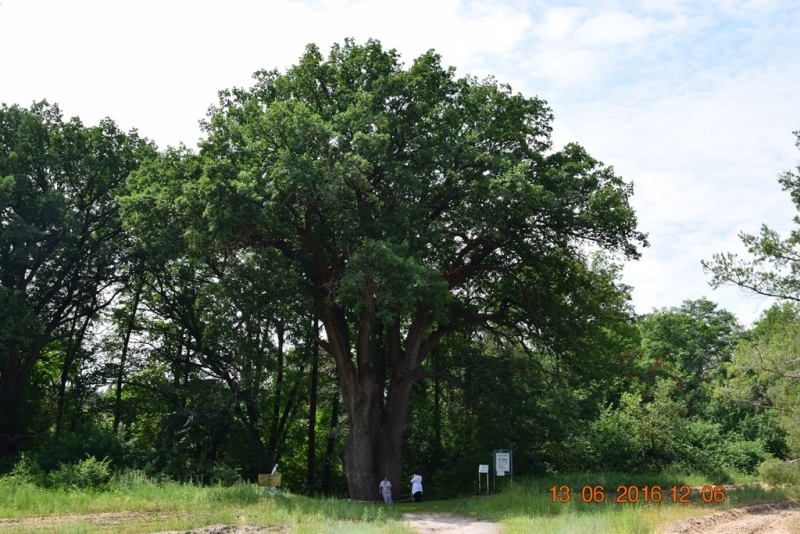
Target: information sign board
[(502, 463)]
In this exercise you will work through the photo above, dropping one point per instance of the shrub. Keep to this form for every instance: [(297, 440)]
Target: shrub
[(71, 447), (88, 473), (223, 475), (28, 471), (775, 472), (744, 456)]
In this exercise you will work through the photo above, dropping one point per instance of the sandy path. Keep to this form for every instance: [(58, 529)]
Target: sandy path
[(777, 518), (110, 519), (427, 523), (226, 529)]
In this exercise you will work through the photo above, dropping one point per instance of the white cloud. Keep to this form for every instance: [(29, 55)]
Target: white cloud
[(613, 28), (559, 23), (159, 65), (692, 101)]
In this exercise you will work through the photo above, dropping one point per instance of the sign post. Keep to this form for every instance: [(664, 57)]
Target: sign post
[(503, 466)]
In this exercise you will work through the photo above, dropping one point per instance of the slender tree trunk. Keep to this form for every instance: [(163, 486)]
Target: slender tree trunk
[(62, 390), (283, 427), (274, 431), (330, 445), (73, 346), (437, 413), (124, 357), (312, 409)]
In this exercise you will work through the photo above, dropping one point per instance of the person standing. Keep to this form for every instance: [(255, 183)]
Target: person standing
[(416, 487), (385, 489)]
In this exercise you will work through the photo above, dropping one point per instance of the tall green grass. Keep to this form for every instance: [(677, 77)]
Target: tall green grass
[(528, 506), (146, 506), (142, 505)]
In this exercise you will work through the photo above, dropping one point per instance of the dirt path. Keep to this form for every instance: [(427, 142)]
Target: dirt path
[(110, 519), (423, 523), (777, 518), (448, 524), (225, 529)]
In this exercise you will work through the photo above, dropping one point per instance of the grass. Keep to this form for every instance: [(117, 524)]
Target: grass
[(144, 506), (529, 506), (135, 504)]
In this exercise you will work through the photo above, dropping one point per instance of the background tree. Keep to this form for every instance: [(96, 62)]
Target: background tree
[(410, 204), (689, 344), (766, 361), (766, 372), (228, 320), (61, 242), (671, 404), (774, 270)]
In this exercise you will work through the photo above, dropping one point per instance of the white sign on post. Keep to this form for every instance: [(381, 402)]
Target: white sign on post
[(483, 469)]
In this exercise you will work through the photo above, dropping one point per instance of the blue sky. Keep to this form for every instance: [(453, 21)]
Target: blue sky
[(693, 101)]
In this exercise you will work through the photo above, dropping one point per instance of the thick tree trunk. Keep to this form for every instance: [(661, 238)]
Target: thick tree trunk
[(376, 416), (260, 459), (13, 377), (373, 448), (10, 390)]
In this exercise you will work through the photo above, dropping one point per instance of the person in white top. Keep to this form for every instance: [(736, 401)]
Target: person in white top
[(416, 487), (385, 489)]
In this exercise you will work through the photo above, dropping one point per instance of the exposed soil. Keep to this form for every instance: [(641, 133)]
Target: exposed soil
[(110, 519), (427, 523), (776, 518), (224, 529), (106, 519)]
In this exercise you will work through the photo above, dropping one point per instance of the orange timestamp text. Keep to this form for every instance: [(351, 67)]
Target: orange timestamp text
[(636, 494)]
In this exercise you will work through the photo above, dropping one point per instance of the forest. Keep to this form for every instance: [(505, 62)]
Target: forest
[(365, 270)]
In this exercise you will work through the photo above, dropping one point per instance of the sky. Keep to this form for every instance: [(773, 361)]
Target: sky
[(694, 102)]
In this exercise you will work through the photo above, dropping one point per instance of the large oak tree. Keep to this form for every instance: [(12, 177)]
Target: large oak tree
[(410, 204)]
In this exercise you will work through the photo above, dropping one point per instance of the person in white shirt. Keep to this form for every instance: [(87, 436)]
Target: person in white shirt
[(385, 489), (416, 487)]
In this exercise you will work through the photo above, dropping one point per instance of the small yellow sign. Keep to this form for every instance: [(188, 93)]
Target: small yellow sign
[(271, 481)]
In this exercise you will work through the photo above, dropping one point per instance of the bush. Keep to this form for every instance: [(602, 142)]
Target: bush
[(28, 471), (71, 447), (775, 472), (223, 475), (744, 456), (642, 436), (88, 473)]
